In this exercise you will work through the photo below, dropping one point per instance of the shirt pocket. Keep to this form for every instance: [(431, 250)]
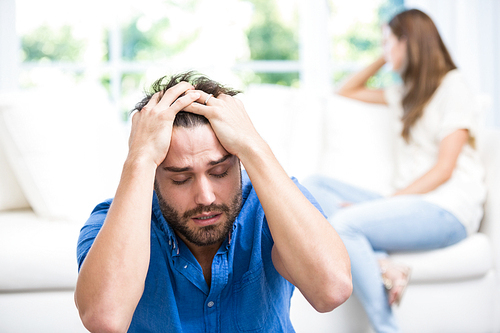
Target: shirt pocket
[(251, 301)]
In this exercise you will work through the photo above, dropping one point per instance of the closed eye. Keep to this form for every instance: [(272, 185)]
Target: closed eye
[(179, 182), (221, 175)]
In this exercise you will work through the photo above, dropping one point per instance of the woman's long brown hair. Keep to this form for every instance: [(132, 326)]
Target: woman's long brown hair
[(427, 63)]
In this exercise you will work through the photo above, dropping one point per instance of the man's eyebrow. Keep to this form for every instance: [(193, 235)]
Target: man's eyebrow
[(223, 159), (177, 169)]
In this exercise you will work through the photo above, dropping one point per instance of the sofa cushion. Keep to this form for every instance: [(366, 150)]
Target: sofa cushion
[(358, 140), (66, 148), (11, 194), (336, 136), (36, 253), (468, 259), (289, 121)]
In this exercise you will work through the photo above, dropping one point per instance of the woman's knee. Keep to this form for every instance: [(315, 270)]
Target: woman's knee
[(341, 222), (352, 220)]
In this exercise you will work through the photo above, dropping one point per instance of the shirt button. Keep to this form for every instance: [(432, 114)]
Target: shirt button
[(210, 304)]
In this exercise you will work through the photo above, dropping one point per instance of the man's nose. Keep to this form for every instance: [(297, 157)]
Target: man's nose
[(204, 192)]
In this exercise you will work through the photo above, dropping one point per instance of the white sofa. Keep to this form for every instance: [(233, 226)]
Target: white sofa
[(61, 152)]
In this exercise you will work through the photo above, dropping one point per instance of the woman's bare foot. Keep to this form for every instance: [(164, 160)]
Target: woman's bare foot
[(395, 277)]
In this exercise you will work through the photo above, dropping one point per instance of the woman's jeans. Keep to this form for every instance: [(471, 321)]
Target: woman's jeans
[(381, 224)]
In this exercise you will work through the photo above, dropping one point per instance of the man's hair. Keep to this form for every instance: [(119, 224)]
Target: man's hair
[(199, 82)]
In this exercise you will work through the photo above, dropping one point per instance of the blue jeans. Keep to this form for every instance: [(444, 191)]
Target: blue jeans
[(381, 224)]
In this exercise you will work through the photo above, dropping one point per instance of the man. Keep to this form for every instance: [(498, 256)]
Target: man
[(190, 243)]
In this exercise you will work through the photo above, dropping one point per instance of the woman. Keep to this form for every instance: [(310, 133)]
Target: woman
[(438, 177)]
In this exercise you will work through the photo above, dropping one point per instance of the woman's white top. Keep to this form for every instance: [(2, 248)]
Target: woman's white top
[(452, 107)]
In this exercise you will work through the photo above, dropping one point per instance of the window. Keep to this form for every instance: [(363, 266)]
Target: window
[(125, 45)]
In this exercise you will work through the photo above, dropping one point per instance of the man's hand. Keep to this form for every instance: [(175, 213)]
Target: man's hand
[(229, 120), (152, 126)]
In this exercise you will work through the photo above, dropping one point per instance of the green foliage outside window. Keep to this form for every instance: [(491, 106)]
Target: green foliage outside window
[(271, 39), (144, 40), (149, 44), (51, 44)]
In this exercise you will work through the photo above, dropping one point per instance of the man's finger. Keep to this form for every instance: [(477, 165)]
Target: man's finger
[(184, 102), (198, 108), (173, 93), (153, 101), (205, 98)]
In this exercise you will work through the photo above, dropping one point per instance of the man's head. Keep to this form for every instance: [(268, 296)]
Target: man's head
[(198, 185), (199, 82)]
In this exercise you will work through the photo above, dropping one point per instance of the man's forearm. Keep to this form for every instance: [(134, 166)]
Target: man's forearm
[(307, 248), (111, 279)]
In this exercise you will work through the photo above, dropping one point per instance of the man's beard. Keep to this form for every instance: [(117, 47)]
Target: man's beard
[(207, 235)]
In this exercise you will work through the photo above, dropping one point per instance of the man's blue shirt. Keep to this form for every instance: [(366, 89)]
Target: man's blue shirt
[(247, 294)]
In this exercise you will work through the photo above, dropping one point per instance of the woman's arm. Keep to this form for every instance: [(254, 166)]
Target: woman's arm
[(449, 150), (355, 86)]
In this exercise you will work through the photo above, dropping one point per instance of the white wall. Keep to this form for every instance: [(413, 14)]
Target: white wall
[(9, 46)]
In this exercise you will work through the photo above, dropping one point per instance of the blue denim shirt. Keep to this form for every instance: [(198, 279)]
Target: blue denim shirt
[(247, 294)]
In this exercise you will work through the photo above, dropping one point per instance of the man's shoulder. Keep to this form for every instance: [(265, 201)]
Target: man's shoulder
[(103, 205), (99, 213), (246, 184)]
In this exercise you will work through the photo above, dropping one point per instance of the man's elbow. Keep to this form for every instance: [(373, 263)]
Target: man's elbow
[(334, 295), (97, 321)]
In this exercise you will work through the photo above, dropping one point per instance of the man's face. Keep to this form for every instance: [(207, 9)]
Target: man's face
[(199, 186)]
